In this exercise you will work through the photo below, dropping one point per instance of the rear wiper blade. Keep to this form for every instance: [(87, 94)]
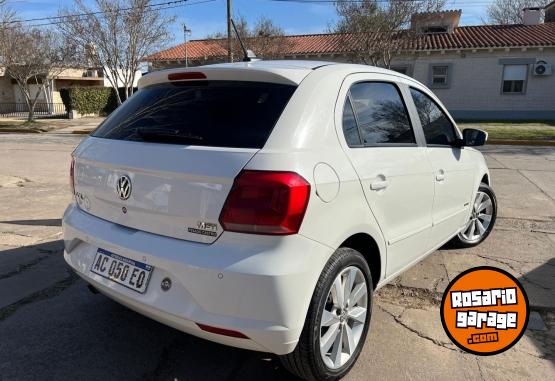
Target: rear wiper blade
[(149, 133)]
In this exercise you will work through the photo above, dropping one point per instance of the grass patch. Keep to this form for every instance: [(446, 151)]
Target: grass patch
[(508, 122), (34, 123), (10, 123), (537, 131), (22, 126)]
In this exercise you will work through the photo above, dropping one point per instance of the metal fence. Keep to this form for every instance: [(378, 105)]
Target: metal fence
[(42, 110)]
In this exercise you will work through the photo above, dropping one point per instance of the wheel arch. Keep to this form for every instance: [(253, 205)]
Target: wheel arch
[(365, 244)]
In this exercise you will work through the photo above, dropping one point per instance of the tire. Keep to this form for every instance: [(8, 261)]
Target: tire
[(467, 237), (307, 361)]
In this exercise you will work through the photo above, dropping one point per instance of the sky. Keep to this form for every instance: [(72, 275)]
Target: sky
[(204, 17)]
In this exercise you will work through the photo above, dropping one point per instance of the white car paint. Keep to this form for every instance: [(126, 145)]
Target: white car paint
[(261, 285)]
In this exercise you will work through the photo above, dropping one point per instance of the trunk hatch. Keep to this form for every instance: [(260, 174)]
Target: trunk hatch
[(176, 148)]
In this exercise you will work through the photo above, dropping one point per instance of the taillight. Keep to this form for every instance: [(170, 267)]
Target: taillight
[(266, 202), (72, 175)]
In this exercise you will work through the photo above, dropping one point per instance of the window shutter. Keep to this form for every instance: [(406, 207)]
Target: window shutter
[(515, 72)]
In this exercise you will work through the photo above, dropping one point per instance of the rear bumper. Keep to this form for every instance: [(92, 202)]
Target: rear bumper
[(257, 285)]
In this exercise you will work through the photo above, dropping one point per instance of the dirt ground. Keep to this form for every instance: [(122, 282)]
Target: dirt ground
[(52, 327)]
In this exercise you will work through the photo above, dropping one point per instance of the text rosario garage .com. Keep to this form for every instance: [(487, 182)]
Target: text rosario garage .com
[(485, 298)]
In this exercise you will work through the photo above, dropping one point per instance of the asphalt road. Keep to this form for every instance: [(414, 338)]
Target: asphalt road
[(53, 328)]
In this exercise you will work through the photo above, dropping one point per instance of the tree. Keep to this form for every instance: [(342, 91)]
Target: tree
[(116, 35), (33, 57), (510, 11), (266, 39), (6, 16), (376, 30)]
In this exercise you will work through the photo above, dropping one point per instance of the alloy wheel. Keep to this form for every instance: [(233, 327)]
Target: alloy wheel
[(480, 218), (343, 317)]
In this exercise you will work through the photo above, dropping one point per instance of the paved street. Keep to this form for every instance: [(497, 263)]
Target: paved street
[(52, 327)]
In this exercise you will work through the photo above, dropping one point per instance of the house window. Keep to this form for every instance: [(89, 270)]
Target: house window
[(514, 79), (440, 76)]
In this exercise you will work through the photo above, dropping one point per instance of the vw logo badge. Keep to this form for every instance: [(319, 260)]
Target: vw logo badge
[(123, 187)]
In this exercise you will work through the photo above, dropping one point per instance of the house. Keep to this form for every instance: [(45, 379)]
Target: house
[(10, 93), (482, 72), (50, 102)]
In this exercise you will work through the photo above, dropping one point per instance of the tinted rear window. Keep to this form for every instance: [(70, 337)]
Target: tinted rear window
[(202, 113)]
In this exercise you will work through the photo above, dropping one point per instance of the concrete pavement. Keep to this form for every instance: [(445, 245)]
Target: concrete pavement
[(52, 327)]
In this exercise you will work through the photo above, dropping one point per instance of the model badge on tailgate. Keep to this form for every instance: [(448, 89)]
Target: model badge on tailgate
[(205, 228)]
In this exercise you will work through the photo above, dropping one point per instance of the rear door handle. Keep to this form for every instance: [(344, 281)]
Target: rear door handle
[(440, 176), (377, 185)]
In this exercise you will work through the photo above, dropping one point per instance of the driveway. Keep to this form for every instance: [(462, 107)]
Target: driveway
[(52, 327)]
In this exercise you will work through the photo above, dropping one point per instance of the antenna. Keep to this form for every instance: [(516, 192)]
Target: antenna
[(248, 55)]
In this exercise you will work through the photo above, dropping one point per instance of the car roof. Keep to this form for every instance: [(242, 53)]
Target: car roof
[(277, 71)]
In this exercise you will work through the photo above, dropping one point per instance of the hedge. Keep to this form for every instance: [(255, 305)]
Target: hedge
[(89, 100)]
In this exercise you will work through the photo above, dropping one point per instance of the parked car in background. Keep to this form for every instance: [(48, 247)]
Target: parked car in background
[(260, 205)]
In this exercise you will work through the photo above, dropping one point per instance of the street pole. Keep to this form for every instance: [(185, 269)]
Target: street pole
[(185, 32), (229, 44)]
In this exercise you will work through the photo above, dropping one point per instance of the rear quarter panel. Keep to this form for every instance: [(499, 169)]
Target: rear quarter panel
[(304, 137)]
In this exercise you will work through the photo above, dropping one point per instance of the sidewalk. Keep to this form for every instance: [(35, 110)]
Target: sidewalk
[(54, 310)]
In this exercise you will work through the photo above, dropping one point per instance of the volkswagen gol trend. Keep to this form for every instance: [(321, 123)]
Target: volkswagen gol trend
[(260, 205)]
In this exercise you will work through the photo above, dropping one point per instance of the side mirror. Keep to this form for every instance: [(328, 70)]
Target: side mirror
[(473, 137)]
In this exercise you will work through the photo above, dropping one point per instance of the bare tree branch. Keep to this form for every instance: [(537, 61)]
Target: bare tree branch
[(377, 30), (117, 38), (33, 58), (265, 39), (510, 11)]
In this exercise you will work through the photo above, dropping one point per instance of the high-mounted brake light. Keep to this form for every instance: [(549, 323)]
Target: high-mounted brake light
[(186, 75), (266, 202), (72, 175)]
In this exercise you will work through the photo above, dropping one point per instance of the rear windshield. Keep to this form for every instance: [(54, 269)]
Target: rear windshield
[(202, 113)]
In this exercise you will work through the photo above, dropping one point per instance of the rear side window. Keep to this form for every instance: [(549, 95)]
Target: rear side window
[(381, 114), (437, 127), (202, 113), (350, 128)]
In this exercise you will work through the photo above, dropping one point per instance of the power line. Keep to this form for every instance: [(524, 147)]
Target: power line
[(341, 1), (92, 13), (484, 2), (161, 6)]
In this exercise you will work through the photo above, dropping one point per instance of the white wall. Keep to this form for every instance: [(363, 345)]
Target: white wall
[(107, 75), (20, 98)]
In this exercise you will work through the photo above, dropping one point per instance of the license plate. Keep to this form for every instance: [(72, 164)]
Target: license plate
[(127, 272)]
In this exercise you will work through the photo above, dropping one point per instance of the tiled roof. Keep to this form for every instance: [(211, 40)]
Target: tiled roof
[(465, 37), (195, 49), (490, 36)]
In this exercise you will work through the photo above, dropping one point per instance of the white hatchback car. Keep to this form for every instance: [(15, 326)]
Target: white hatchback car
[(260, 204)]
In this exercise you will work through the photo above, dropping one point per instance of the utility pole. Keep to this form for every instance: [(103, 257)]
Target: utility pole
[(185, 32), (229, 41)]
